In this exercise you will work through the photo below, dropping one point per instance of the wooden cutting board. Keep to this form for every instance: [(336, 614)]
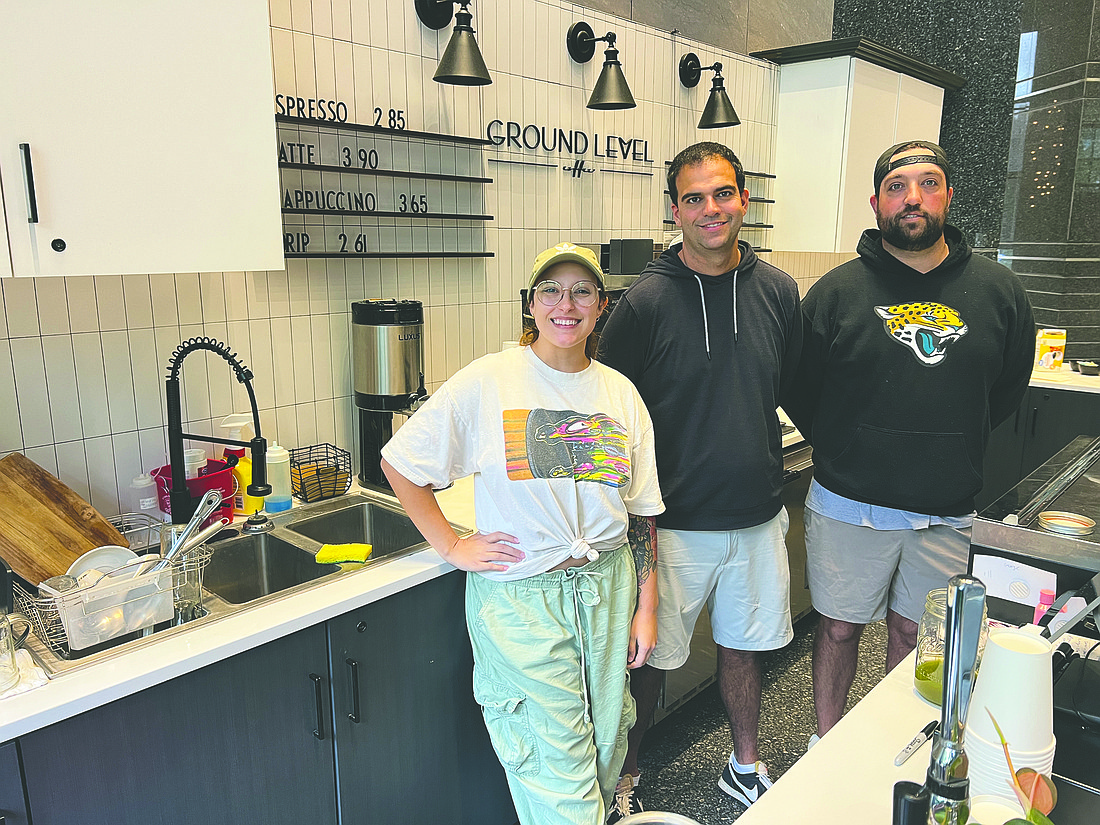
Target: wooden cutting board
[(44, 525)]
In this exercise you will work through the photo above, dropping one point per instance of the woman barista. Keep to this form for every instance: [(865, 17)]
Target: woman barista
[(557, 606)]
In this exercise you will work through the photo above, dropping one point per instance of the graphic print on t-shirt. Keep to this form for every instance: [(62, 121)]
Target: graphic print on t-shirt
[(926, 329), (564, 444)]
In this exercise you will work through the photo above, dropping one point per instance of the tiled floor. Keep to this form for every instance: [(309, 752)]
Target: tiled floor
[(683, 755)]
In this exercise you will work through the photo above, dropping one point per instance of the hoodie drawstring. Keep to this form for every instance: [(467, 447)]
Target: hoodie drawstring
[(735, 306), (703, 302)]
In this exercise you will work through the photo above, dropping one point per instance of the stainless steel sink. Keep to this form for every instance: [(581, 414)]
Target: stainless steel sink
[(248, 567), (388, 531), (247, 570)]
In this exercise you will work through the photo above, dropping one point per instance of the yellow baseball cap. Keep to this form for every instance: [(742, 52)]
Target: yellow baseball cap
[(563, 253)]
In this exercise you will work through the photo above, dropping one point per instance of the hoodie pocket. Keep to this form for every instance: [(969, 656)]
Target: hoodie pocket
[(923, 472), (505, 710)]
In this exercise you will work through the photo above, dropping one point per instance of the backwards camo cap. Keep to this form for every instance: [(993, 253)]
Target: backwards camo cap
[(935, 155)]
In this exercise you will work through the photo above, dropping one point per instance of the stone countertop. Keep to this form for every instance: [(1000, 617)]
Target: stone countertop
[(1065, 378), (68, 694)]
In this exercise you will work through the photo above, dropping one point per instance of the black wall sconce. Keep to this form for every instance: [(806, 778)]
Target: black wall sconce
[(611, 90), (462, 63), (718, 111)]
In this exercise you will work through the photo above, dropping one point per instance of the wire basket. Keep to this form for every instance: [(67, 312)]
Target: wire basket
[(319, 472), (124, 604)]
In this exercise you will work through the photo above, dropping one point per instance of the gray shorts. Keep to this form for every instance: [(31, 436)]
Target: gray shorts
[(740, 575), (856, 572)]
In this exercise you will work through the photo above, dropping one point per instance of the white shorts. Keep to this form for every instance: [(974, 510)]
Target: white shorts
[(856, 572), (741, 575)]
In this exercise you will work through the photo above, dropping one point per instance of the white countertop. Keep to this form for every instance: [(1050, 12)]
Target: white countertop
[(1065, 378), (849, 775), (68, 694)]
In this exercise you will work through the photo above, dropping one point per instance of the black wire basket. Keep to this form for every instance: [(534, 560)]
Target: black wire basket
[(319, 472)]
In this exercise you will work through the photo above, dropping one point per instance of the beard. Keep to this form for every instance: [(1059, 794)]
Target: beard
[(911, 239)]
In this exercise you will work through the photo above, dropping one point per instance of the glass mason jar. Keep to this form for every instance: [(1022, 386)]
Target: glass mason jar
[(931, 634)]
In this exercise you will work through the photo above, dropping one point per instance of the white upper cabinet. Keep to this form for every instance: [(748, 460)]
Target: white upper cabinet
[(149, 128), (837, 113)]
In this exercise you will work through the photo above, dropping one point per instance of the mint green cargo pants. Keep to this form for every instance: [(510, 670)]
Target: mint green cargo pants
[(550, 675)]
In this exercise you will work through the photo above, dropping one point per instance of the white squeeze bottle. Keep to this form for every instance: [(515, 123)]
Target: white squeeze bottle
[(278, 476)]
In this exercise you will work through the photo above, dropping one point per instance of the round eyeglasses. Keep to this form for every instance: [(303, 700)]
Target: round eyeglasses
[(584, 293)]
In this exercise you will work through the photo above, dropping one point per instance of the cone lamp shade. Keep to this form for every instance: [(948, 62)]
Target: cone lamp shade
[(611, 90), (719, 110), (462, 63)]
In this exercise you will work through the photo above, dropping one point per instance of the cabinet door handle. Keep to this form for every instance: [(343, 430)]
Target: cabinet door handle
[(319, 731), (353, 666), (1034, 418), (28, 179)]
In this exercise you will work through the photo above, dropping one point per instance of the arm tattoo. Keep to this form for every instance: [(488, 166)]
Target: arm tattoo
[(641, 535)]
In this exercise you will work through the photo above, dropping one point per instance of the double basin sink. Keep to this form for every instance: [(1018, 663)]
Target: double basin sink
[(247, 569), (251, 566)]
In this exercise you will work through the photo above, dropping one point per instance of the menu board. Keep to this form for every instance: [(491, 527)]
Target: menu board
[(363, 191)]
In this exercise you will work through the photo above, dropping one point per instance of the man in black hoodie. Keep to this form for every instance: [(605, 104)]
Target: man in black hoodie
[(913, 352), (710, 336)]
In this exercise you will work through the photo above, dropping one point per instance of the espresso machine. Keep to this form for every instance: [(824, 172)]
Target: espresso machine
[(387, 340)]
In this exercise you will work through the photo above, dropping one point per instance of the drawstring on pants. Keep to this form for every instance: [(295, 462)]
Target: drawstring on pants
[(584, 592)]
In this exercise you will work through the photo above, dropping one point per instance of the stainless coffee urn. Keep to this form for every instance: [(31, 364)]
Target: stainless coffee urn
[(387, 339)]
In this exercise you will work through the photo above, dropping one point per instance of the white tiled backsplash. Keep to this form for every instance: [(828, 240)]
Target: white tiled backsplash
[(83, 360)]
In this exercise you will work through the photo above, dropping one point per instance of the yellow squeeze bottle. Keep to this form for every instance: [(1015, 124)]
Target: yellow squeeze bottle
[(243, 503)]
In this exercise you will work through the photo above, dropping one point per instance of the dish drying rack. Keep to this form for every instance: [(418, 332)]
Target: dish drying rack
[(85, 620)]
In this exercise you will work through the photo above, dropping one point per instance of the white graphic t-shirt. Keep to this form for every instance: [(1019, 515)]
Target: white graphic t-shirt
[(558, 459)]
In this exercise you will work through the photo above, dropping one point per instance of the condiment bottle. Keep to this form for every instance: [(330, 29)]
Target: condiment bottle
[(142, 498), (278, 476), (1046, 599)]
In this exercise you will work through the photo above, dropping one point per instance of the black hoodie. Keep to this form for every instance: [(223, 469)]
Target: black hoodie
[(904, 373), (710, 356)]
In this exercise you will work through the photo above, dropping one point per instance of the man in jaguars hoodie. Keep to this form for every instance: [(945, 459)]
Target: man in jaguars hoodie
[(913, 353), (710, 336)]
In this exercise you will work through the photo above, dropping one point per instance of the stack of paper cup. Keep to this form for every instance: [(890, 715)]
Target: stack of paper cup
[(1015, 685)]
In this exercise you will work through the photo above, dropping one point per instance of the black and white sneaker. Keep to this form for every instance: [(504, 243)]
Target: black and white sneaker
[(626, 801), (746, 788)]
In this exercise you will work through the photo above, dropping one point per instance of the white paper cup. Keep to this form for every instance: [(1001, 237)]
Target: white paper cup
[(992, 810), (1015, 684)]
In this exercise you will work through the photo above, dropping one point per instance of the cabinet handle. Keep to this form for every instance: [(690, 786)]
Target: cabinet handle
[(1034, 418), (353, 666), (319, 731), (28, 179)]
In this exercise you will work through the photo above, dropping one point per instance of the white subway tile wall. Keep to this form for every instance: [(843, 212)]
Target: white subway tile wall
[(83, 360)]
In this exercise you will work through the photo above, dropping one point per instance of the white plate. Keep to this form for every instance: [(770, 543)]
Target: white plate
[(105, 559)]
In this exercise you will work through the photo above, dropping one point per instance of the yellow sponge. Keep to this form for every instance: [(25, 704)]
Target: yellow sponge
[(343, 553)]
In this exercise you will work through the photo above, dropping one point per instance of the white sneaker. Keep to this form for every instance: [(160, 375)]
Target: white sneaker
[(814, 739), (746, 788)]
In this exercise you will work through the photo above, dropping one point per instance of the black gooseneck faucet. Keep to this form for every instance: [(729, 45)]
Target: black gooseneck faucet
[(182, 505)]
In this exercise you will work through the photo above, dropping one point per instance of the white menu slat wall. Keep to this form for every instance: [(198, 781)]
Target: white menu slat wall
[(82, 360)]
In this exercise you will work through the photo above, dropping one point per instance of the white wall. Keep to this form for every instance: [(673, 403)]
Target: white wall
[(82, 360)]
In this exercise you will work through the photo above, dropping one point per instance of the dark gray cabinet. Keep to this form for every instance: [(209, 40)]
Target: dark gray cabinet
[(13, 804), (372, 712), (233, 742), (412, 749), (1046, 421)]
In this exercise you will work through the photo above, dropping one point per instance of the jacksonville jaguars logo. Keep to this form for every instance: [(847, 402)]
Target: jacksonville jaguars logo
[(926, 329)]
